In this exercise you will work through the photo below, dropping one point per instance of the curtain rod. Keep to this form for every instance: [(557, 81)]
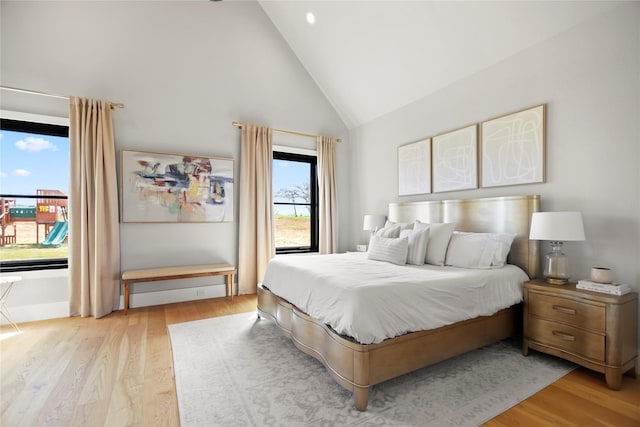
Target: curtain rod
[(240, 125), (52, 95)]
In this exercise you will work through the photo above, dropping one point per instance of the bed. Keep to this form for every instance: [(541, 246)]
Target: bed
[(357, 364)]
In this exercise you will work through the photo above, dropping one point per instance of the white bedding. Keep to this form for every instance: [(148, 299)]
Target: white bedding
[(371, 301)]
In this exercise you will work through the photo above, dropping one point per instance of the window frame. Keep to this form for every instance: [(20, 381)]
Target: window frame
[(41, 125), (279, 153)]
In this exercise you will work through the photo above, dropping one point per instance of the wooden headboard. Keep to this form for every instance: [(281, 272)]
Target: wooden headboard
[(489, 215)]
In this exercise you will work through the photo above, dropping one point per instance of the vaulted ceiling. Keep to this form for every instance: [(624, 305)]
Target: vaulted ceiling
[(373, 57)]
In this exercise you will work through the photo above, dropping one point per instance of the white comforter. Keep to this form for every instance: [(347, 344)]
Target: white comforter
[(371, 301)]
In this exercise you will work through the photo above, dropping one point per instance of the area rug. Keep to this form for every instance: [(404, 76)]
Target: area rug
[(242, 371)]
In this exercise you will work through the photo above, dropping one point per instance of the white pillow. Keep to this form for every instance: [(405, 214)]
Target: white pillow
[(418, 241), (403, 225), (505, 240), (478, 250), (391, 231), (439, 235), (388, 250), (419, 225)]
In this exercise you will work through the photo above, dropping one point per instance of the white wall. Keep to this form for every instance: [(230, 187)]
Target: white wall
[(589, 77), (185, 71)]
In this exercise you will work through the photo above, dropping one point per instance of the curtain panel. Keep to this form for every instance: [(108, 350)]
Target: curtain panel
[(327, 196), (256, 242), (94, 245)]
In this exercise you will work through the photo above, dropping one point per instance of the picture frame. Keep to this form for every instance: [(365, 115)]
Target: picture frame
[(414, 168), (514, 148), (454, 157), (175, 188)]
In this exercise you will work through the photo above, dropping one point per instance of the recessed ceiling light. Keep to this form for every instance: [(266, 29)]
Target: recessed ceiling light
[(311, 18)]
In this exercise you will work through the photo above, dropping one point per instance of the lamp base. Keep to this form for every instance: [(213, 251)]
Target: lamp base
[(555, 281), (556, 266)]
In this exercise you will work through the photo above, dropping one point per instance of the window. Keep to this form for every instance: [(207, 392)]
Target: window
[(295, 202), (34, 181)]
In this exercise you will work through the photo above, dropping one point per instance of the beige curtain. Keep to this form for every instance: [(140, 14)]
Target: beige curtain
[(327, 200), (94, 245), (256, 245)]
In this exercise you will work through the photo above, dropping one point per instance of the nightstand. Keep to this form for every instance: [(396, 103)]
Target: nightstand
[(593, 329)]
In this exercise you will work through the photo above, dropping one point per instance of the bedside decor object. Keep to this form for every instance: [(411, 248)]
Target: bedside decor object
[(594, 330), (513, 148), (609, 288), (455, 160), (373, 222), (557, 227), (601, 275), (160, 187), (414, 168)]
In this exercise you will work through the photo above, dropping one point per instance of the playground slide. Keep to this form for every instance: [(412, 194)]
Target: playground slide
[(57, 234)]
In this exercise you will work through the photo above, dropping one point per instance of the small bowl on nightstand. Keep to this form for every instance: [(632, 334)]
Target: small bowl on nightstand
[(601, 275)]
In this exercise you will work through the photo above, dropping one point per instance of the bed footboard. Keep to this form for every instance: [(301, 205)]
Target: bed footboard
[(356, 367)]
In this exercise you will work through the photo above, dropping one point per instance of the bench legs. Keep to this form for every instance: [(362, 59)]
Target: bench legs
[(125, 290), (229, 280)]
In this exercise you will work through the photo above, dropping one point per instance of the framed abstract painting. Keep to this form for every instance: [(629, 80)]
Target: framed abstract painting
[(414, 168), (513, 148), (160, 187), (455, 160)]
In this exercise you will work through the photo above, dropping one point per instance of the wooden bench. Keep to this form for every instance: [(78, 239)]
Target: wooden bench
[(171, 273)]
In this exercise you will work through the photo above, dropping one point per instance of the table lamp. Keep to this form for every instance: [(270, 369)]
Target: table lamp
[(373, 222), (556, 227)]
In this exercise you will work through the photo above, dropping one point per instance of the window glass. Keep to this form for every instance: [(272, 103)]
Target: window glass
[(34, 182), (295, 202)]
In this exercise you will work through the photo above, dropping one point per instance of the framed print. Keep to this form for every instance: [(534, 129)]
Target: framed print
[(414, 168), (455, 160), (513, 148), (159, 187)]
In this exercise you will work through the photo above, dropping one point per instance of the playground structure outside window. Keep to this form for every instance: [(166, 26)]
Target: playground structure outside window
[(42, 213)]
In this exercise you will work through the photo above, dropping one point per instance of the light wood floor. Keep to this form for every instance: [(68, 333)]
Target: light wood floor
[(118, 371)]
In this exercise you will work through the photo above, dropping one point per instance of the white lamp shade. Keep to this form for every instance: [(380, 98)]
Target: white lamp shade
[(373, 222), (557, 226)]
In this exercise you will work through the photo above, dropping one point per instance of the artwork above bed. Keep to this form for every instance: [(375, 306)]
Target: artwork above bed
[(508, 150), (455, 160), (513, 148), (414, 168)]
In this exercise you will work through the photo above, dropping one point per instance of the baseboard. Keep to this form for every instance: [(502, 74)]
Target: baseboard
[(56, 310), (147, 299), (33, 312)]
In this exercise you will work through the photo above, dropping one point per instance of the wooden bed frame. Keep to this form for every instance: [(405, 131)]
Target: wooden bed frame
[(355, 366)]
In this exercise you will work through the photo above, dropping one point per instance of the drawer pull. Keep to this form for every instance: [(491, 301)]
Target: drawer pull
[(565, 310), (564, 336)]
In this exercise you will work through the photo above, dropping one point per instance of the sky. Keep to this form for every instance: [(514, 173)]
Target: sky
[(29, 162), (287, 174)]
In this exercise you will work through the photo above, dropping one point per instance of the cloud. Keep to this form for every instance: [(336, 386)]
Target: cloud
[(34, 144), (2, 174), (21, 172)]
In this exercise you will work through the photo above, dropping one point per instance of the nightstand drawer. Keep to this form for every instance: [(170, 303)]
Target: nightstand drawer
[(586, 316), (568, 338)]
